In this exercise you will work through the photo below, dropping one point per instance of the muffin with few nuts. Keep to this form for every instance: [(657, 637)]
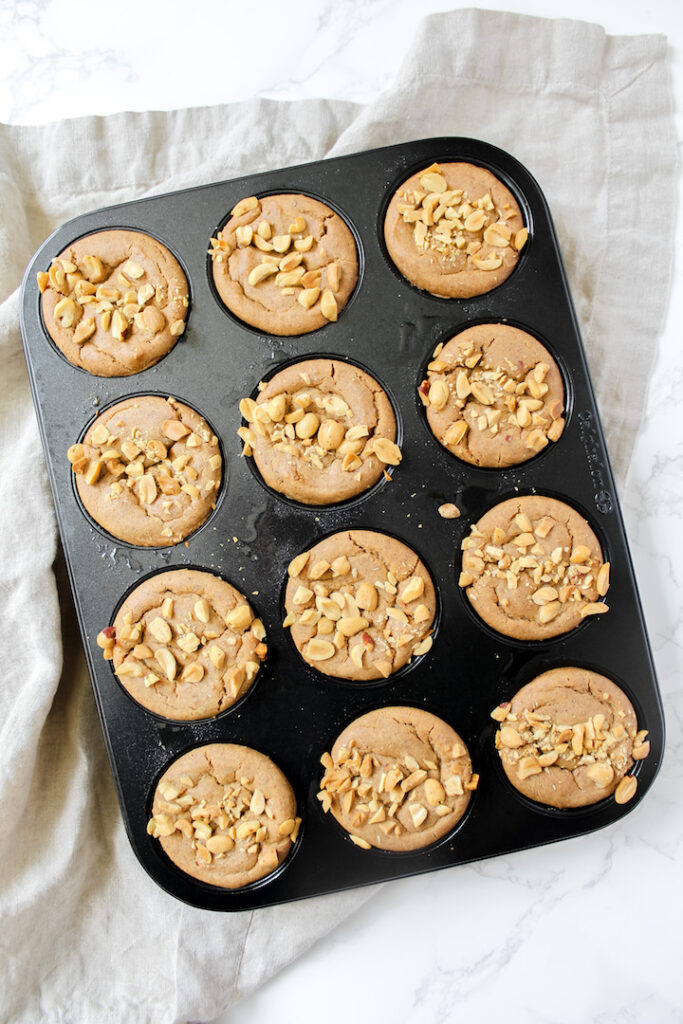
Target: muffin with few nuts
[(320, 431), (360, 605), (569, 738), (185, 644), (114, 302), (454, 230), (225, 814), (493, 396), (532, 568), (286, 264), (397, 778), (148, 470)]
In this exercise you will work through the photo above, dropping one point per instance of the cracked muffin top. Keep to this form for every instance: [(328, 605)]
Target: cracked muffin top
[(286, 264), (225, 814), (360, 605), (397, 778), (114, 302), (320, 431), (148, 470), (185, 644), (568, 739), (493, 396), (532, 568)]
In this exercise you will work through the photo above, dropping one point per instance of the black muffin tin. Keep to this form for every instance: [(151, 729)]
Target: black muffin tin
[(293, 712)]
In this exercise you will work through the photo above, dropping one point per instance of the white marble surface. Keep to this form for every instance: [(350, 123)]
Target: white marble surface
[(587, 930)]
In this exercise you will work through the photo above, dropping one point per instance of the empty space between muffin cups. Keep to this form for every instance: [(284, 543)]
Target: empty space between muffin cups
[(148, 470), (185, 644), (320, 431), (532, 568), (285, 264)]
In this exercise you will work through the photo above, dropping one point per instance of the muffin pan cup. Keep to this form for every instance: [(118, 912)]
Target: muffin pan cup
[(294, 712)]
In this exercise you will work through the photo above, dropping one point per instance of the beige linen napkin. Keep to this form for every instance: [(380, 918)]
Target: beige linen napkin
[(86, 936)]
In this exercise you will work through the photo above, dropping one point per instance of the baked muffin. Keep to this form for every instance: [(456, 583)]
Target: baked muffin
[(454, 230), (114, 302), (286, 264), (493, 396), (532, 568), (148, 470), (360, 605), (224, 814), (398, 779), (568, 739), (320, 431), (185, 644)]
